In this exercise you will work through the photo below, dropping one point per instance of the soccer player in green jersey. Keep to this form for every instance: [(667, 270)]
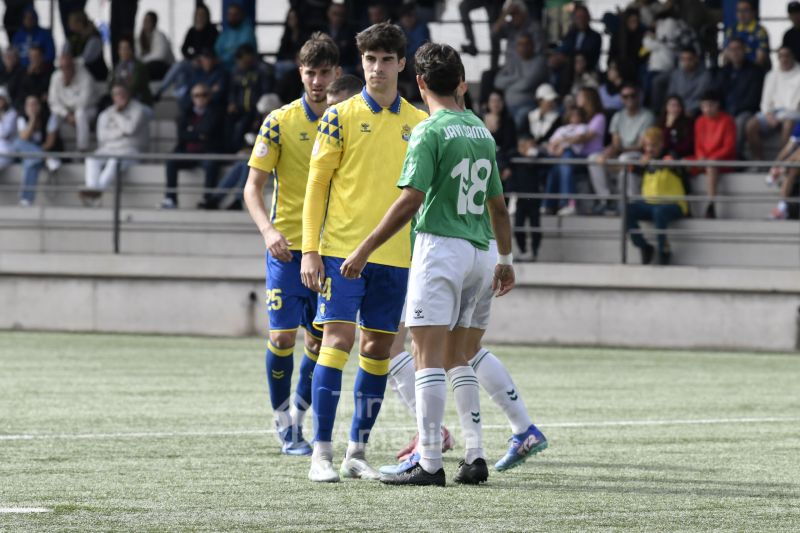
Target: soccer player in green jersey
[(450, 170)]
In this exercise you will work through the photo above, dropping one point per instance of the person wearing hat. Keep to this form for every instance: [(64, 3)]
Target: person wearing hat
[(8, 127), (715, 140), (791, 39)]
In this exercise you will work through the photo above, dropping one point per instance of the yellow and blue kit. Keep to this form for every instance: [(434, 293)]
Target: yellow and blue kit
[(355, 163)]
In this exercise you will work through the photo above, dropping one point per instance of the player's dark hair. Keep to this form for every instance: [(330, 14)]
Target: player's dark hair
[(318, 51), (382, 36), (346, 84), (440, 67)]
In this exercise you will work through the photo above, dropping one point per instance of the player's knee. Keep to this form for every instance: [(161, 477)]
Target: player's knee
[(376, 345), (340, 336), (313, 344), (282, 339)]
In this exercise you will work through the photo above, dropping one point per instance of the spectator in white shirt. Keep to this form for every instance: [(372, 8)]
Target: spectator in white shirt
[(72, 97), (153, 48)]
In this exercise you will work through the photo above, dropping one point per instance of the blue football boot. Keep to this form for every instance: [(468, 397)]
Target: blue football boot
[(522, 446)]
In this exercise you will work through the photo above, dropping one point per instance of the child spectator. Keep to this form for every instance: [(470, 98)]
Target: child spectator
[(663, 200), (153, 48), (565, 143), (715, 140)]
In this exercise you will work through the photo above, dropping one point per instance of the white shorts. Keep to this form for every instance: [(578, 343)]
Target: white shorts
[(450, 283)]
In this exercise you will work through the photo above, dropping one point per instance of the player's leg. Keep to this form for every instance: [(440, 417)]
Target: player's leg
[(313, 341)]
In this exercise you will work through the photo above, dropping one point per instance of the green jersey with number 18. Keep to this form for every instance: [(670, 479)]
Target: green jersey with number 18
[(451, 158)]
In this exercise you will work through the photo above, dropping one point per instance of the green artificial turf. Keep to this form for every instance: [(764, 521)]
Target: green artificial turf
[(145, 433)]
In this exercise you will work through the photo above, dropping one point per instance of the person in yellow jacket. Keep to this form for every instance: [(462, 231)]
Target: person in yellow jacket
[(663, 200)]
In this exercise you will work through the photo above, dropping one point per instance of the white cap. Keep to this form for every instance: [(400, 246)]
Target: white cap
[(546, 92)]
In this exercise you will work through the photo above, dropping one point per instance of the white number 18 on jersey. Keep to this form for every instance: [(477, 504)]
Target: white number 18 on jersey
[(473, 180)]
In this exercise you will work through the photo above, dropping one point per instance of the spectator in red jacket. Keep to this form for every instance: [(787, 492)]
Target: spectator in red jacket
[(714, 139)]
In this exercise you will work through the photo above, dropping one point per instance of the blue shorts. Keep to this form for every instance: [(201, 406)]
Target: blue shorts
[(379, 295), (290, 304)]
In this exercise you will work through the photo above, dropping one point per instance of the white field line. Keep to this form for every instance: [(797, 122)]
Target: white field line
[(244, 432), (24, 510)]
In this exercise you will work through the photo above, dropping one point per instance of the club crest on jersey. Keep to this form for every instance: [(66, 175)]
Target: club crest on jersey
[(261, 149), (304, 136), (365, 127), (406, 132)]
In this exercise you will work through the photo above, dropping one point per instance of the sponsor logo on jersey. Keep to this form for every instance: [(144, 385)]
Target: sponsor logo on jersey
[(304, 136), (365, 127)]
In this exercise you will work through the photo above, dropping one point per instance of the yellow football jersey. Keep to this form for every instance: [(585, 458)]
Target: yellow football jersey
[(283, 147), (364, 145)]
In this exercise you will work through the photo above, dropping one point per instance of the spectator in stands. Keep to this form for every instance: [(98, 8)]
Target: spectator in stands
[(212, 74), (677, 128), (202, 35), (580, 38), (65, 8), (564, 144), (154, 48), (12, 72), (122, 128), (542, 122), (131, 72), (752, 33), (293, 38), (626, 45), (33, 35), (493, 9), (72, 98), (671, 35), (199, 132), (611, 87), (417, 33), (514, 21), (85, 42), (8, 126), (251, 78), (663, 203), (520, 77), (689, 81), (37, 131), (740, 81), (123, 19), (714, 139), (501, 125), (626, 129), (786, 177), (377, 12), (780, 103), (581, 77), (239, 31), (791, 39), (344, 35), (12, 18), (36, 81)]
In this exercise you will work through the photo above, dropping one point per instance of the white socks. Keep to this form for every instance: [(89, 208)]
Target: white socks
[(323, 450), (356, 449), (468, 406), (401, 375), (431, 391), (283, 419), (297, 415), (497, 382)]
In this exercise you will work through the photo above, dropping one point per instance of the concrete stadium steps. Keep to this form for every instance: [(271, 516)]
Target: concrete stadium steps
[(143, 186), (744, 184)]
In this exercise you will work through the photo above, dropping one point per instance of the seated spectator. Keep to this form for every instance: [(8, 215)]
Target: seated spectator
[(714, 140), (84, 42), (791, 39), (610, 88), (293, 38), (36, 80), (740, 81), (580, 78), (677, 129), (648, 10), (122, 128), (33, 35), (542, 122), (520, 77), (493, 10), (417, 33), (12, 72), (580, 38), (689, 81), (132, 73), (780, 103), (500, 124), (671, 35), (199, 132), (251, 79), (37, 131), (201, 36), (626, 45), (72, 98), (627, 127), (343, 34), (751, 33), (786, 177), (514, 21), (154, 48), (8, 127), (663, 200), (212, 74), (564, 144), (239, 31)]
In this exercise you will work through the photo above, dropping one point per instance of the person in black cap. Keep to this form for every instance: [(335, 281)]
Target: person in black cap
[(791, 39)]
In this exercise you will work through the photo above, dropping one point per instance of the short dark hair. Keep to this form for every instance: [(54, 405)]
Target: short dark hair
[(711, 95), (440, 67), (688, 50), (736, 39), (346, 84), (246, 49), (382, 36), (122, 85), (154, 15), (629, 85), (318, 51)]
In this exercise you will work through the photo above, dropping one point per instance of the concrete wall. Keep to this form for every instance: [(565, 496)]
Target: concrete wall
[(679, 307)]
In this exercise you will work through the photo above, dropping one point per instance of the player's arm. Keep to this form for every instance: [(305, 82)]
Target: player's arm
[(400, 213), (504, 278), (274, 240)]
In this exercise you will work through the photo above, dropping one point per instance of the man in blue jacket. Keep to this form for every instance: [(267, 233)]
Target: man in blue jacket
[(31, 34)]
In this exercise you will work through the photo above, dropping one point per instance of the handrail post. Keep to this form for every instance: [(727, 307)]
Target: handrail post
[(117, 207), (623, 214)]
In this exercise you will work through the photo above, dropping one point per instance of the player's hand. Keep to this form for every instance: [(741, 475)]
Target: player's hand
[(277, 245), (354, 264), (503, 280), (312, 271)]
